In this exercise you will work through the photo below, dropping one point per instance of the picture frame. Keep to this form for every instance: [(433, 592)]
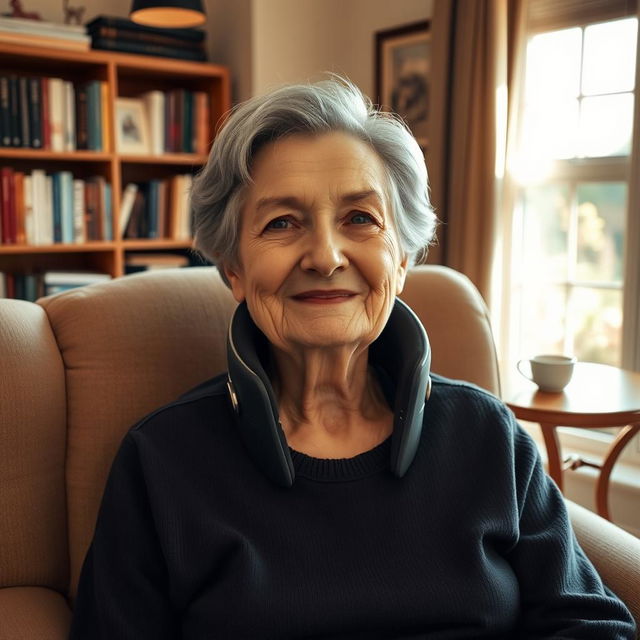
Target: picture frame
[(403, 70), (132, 126)]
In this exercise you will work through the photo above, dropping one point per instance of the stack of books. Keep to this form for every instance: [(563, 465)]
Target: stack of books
[(54, 114), (120, 34), (31, 286), (38, 33)]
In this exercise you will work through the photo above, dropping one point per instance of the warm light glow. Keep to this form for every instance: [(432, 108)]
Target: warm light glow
[(168, 17)]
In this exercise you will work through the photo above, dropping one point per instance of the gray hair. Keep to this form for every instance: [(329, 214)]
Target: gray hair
[(219, 190)]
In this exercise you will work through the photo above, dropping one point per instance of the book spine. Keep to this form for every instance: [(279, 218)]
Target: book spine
[(44, 113), (100, 202), (187, 123), (14, 112), (27, 201), (5, 112), (39, 40), (148, 49), (35, 112), (18, 194), (169, 118), (108, 213), (56, 113), (152, 207), (69, 117), (154, 103), (126, 207), (47, 209), (125, 35), (94, 116), (129, 25), (179, 120), (105, 138), (79, 232), (66, 206), (91, 214), (23, 101), (82, 121), (38, 195), (8, 206), (57, 207)]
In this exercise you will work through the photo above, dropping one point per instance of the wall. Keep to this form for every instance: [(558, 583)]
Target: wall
[(296, 40), (52, 11)]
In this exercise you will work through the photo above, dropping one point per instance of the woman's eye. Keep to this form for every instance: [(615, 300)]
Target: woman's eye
[(361, 218), (278, 223)]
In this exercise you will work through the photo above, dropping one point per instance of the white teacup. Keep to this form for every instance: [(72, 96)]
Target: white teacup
[(550, 373)]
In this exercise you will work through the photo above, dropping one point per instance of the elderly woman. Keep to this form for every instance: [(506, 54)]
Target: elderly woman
[(310, 492)]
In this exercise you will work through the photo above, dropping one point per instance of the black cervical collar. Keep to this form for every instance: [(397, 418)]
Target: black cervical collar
[(401, 355)]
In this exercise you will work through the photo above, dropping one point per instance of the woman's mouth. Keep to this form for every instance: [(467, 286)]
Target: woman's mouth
[(324, 296)]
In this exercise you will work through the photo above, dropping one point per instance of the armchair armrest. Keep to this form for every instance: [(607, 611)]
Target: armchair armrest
[(614, 553)]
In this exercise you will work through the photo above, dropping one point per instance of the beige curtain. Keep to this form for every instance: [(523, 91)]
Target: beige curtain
[(474, 46)]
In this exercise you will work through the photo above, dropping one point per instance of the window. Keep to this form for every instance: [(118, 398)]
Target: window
[(569, 225)]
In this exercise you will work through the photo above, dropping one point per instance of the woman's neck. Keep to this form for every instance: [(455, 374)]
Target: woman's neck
[(330, 404)]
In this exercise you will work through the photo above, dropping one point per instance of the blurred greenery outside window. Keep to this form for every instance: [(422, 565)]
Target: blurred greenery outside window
[(569, 224)]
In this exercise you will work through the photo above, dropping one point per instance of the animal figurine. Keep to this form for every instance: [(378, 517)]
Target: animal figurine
[(19, 12), (72, 15)]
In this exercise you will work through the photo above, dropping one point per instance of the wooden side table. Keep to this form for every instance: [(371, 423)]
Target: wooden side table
[(598, 396)]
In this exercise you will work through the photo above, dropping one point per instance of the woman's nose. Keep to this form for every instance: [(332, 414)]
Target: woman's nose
[(324, 252)]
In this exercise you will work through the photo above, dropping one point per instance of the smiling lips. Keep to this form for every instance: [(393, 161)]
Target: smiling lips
[(324, 296)]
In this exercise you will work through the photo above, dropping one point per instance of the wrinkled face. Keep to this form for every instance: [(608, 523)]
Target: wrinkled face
[(320, 262)]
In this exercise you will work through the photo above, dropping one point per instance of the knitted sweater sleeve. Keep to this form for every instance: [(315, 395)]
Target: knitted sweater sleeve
[(123, 590), (561, 592)]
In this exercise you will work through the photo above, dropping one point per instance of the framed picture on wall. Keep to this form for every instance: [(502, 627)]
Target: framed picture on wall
[(403, 64), (132, 128)]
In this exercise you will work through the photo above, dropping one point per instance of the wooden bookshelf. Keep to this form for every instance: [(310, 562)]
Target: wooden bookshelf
[(126, 75)]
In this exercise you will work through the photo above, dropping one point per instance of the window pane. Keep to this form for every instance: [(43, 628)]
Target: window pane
[(595, 318), (601, 224), (609, 57), (545, 228), (551, 129), (542, 319), (605, 125), (553, 65)]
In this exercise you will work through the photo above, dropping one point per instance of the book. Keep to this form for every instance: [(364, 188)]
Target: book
[(47, 210), (154, 102), (35, 112), (134, 225), (69, 117), (79, 231), (7, 206), (25, 25), (118, 33), (27, 203), (82, 118), (126, 206), (94, 111), (194, 35), (48, 41), (148, 49), (135, 262), (66, 206), (44, 113), (42, 225), (57, 113), (58, 281), (23, 108), (18, 190), (106, 142), (14, 113), (5, 115), (201, 123), (56, 201)]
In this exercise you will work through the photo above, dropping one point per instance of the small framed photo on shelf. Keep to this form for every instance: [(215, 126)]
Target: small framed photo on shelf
[(403, 66), (132, 126)]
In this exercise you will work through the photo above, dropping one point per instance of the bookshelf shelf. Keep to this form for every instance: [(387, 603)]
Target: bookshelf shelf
[(57, 156), (178, 159), (125, 75), (85, 247)]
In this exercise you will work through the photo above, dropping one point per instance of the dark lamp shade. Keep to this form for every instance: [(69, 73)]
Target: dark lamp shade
[(168, 13)]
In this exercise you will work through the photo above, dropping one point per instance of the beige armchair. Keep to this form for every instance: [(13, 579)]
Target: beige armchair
[(78, 369)]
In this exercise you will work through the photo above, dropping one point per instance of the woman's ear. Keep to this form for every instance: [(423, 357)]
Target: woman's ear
[(402, 274), (236, 279)]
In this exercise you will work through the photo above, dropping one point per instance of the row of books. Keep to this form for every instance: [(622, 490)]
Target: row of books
[(120, 34), (31, 286), (52, 113), (157, 209), (178, 121), (40, 33), (41, 209)]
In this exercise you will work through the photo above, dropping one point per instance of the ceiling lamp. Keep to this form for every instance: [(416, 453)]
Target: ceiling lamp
[(168, 13)]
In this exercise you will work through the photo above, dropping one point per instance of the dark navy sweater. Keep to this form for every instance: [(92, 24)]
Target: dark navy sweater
[(194, 542)]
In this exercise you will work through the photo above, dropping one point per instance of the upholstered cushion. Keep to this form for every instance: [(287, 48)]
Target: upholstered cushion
[(457, 322), (33, 534), (30, 613), (129, 346)]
